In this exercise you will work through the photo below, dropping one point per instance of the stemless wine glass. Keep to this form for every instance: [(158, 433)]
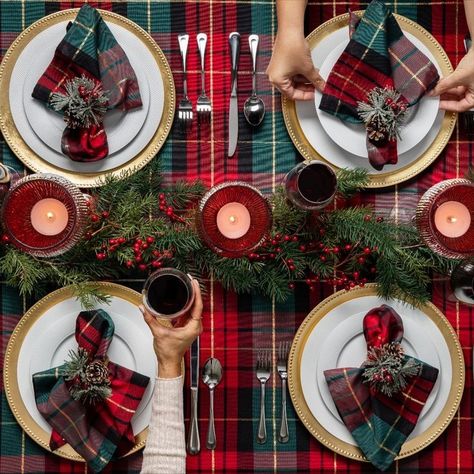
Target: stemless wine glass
[(311, 185), (168, 293), (462, 282)]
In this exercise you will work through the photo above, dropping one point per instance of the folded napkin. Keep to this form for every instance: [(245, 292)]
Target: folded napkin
[(89, 401), (380, 402), (379, 75), (89, 74)]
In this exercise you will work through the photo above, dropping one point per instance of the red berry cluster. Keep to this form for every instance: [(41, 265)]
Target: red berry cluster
[(94, 216), (383, 376), (168, 210), (271, 247), (396, 106), (5, 239)]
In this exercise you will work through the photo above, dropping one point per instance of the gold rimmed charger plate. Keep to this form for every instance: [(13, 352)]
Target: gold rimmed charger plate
[(10, 373), (34, 161), (332, 442), (379, 180)]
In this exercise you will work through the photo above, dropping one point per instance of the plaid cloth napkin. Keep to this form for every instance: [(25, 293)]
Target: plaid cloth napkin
[(378, 56), (89, 50), (380, 423), (97, 431)]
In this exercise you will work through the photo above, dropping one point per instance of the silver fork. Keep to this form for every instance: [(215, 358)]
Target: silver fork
[(283, 350), (185, 107), (203, 105), (263, 374)]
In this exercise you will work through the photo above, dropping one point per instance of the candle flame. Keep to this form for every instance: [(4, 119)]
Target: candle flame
[(50, 216), (452, 219), (232, 219)]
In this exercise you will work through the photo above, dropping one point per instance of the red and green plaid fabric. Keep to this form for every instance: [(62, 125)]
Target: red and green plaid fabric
[(235, 326), (380, 424), (378, 55), (100, 431), (90, 49)]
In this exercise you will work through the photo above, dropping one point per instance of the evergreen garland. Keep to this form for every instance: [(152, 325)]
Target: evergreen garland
[(137, 226)]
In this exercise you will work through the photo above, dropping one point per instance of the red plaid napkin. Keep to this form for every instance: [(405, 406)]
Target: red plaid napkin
[(90, 50), (378, 422), (97, 431), (378, 56)]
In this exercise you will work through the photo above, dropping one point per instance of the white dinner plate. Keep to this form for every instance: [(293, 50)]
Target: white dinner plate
[(43, 338), (121, 126), (134, 131), (354, 353), (352, 137), (331, 337), (325, 144), (345, 346)]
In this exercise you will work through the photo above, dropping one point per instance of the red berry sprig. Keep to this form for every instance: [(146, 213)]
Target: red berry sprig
[(168, 210)]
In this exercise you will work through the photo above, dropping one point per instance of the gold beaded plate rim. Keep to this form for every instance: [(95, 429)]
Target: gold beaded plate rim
[(425, 159), (325, 437), (34, 161), (10, 374)]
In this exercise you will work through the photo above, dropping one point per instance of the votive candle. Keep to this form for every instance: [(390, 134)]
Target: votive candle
[(233, 220), (452, 219), (49, 216)]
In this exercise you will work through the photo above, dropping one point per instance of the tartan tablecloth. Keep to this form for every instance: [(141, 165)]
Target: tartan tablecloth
[(234, 326)]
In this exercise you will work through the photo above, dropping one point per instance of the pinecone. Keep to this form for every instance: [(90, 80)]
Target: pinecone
[(97, 373), (377, 134)]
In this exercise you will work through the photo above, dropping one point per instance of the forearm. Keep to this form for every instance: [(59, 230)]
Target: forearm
[(165, 450), (469, 11), (290, 15)]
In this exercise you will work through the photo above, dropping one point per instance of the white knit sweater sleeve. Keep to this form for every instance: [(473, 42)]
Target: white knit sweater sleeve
[(165, 450)]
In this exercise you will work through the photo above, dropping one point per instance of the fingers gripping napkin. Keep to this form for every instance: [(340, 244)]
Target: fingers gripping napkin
[(380, 402), (90, 401), (89, 74), (377, 77)]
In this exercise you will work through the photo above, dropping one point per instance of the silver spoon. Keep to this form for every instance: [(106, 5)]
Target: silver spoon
[(211, 376), (254, 108)]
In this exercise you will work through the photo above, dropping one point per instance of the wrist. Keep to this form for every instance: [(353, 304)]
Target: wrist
[(169, 369)]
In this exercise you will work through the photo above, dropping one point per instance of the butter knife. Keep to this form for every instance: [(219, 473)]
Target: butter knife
[(194, 444), (234, 42)]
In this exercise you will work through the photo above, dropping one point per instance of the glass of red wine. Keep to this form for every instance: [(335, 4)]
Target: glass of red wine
[(462, 282), (311, 185), (168, 293)]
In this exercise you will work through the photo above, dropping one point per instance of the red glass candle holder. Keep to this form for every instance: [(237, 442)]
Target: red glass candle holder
[(246, 235), (459, 192), (20, 202)]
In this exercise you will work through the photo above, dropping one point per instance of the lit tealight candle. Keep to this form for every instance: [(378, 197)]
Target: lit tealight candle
[(49, 216), (452, 219), (233, 220)]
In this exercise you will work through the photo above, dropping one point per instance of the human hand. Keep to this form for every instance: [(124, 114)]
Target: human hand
[(170, 344), (457, 89), (291, 69)]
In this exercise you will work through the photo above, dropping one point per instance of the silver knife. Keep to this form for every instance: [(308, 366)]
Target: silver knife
[(194, 444), (234, 41)]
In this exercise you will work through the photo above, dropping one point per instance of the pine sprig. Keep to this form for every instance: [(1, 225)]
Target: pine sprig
[(132, 234), (351, 181)]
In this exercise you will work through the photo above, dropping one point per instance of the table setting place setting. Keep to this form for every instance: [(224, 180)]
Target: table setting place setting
[(323, 321)]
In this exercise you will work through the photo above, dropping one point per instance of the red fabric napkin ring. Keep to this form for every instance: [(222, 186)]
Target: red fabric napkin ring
[(383, 115), (84, 105), (88, 377)]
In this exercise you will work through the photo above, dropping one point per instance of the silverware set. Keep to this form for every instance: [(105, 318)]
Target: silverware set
[(185, 106), (263, 372), (211, 376), (254, 107)]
